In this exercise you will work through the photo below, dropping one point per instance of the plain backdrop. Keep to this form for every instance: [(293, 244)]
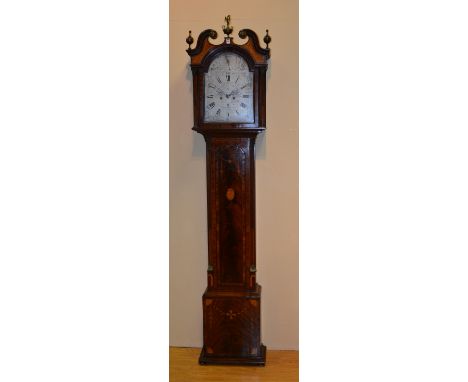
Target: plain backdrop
[(277, 183)]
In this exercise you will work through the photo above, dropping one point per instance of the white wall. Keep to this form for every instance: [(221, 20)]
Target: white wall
[(276, 171)]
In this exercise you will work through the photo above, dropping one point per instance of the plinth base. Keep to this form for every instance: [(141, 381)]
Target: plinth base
[(259, 360)]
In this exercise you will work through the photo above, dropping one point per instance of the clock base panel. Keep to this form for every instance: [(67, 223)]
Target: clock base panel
[(231, 327)]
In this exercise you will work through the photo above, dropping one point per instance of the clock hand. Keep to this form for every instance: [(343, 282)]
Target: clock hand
[(219, 91), (234, 92)]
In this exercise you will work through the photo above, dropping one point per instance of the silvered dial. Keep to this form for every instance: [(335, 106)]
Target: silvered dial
[(229, 90)]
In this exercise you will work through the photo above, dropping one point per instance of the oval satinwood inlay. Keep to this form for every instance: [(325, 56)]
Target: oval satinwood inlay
[(230, 194)]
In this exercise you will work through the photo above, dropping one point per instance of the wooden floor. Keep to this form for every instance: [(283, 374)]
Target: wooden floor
[(281, 366)]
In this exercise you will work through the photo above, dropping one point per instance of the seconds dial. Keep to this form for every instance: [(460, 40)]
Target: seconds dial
[(228, 90)]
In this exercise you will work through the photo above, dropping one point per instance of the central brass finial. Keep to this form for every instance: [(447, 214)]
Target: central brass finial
[(227, 29)]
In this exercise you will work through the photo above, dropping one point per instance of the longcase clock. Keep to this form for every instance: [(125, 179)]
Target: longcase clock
[(229, 111)]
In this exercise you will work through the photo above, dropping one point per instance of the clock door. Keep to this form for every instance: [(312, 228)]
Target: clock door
[(232, 227)]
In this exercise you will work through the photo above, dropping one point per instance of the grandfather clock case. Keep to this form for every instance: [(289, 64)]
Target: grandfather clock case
[(229, 107)]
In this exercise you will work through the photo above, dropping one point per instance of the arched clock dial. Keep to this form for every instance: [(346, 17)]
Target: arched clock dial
[(229, 90)]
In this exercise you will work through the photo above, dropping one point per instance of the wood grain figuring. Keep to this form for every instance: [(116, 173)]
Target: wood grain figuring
[(282, 366)]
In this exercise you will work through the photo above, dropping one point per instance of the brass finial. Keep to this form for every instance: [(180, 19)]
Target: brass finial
[(227, 29), (267, 39), (189, 39)]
